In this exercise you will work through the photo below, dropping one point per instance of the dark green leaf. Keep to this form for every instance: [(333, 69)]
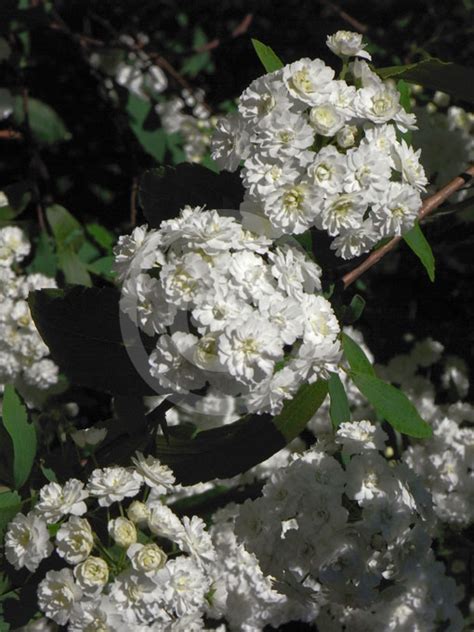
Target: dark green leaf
[(420, 246), (45, 260), (66, 229), (46, 125), (339, 407), (102, 236), (232, 449), (356, 357), (436, 74), (22, 433), (75, 271), (163, 192), (81, 326), (392, 405), (149, 134), (270, 60), (10, 505), (103, 267), (354, 310)]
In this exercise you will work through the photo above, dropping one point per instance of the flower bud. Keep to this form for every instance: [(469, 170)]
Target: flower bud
[(123, 532), (93, 573), (346, 136), (147, 558), (138, 512)]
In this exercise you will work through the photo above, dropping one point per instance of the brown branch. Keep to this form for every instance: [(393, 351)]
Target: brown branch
[(10, 134), (133, 202), (358, 26), (428, 206)]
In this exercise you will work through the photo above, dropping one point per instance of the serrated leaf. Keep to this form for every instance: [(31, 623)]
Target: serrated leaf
[(270, 60), (422, 249), (393, 405), (339, 410), (46, 125), (81, 327), (436, 74), (10, 505), (22, 433), (356, 357)]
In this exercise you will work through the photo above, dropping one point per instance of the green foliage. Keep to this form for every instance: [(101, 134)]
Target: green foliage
[(46, 125), (69, 237), (101, 235), (422, 249), (339, 408), (45, 259), (270, 60), (391, 404), (144, 124), (22, 433), (10, 505), (356, 357), (352, 312), (433, 73)]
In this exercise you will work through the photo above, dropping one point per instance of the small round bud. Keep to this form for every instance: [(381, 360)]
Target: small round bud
[(138, 512), (93, 573), (147, 558), (346, 137), (441, 99), (123, 532)]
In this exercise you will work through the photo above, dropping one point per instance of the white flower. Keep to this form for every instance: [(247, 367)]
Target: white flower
[(164, 523), (378, 103), (156, 475), (122, 531), (14, 245), (326, 120), (293, 207), (136, 597), (308, 80), (89, 436), (27, 541), (42, 374), (353, 242), (263, 96), (407, 161), (397, 210), (347, 44), (196, 541), (320, 321), (138, 512), (56, 501), (250, 349), (92, 574), (369, 170), (359, 436), (346, 136), (168, 363), (285, 136), (57, 595), (74, 540), (113, 484), (342, 212), (328, 169), (147, 558), (230, 141), (184, 586)]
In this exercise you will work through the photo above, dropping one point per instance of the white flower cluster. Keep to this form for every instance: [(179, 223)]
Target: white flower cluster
[(231, 309), (324, 152), (154, 571), (349, 539), (195, 127), (23, 354)]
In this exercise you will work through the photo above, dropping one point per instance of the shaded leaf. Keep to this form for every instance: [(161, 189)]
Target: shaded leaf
[(152, 138), (22, 434), (10, 505), (102, 236), (436, 74), (270, 60), (356, 357), (75, 271), (46, 125), (391, 404), (163, 192), (66, 229), (45, 259), (81, 326), (422, 249)]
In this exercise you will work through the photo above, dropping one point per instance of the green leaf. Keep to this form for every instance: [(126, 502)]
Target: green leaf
[(339, 408), (82, 329), (353, 311), (102, 236), (356, 357), (46, 125), (75, 271), (103, 267), (145, 125), (66, 229), (10, 505), (45, 260), (392, 405), (436, 74), (422, 249), (270, 60), (22, 433), (298, 411)]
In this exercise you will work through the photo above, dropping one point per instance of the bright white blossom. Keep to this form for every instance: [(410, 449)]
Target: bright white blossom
[(27, 541), (113, 484)]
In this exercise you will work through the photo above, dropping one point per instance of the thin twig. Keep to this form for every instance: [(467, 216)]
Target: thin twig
[(358, 26), (10, 134), (133, 202), (428, 206)]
